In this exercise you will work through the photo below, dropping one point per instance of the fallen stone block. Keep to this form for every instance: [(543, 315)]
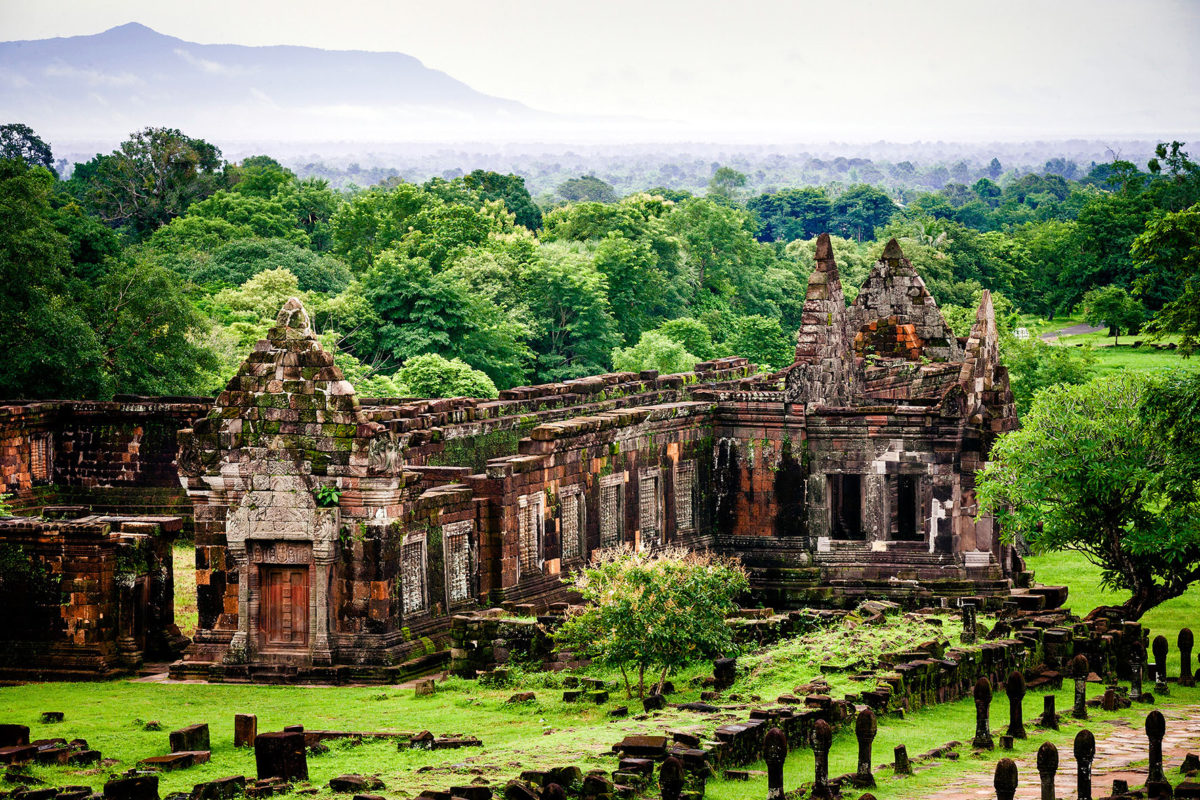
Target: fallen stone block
[(220, 789), (191, 739), (138, 787), (174, 761), (281, 754), (18, 754), (245, 728), (346, 784), (52, 717), (12, 735)]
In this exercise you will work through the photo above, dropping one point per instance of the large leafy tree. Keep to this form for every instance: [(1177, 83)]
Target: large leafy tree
[(510, 189), (654, 351), (152, 178), (653, 613), (1108, 469), (431, 375), (859, 210), (587, 188), (1170, 247), (1113, 307), (49, 348), (18, 141), (573, 330), (791, 214)]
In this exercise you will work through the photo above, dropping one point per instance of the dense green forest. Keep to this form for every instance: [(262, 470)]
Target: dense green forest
[(155, 267)]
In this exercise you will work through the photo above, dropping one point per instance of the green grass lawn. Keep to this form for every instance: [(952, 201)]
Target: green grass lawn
[(547, 732), (1073, 570)]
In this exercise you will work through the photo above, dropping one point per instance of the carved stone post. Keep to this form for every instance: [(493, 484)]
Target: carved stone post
[(1079, 671), (901, 766), (1014, 687), (822, 738), (1085, 751), (1047, 766), (1006, 779), (968, 623), (983, 704), (670, 778), (1159, 646), (1137, 657), (1185, 642), (775, 750), (1049, 715), (865, 728), (1156, 729)]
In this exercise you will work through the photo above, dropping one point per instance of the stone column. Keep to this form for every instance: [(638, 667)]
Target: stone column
[(865, 728), (1047, 766), (1137, 657), (1014, 687), (822, 738), (968, 623), (1185, 642), (325, 558), (1159, 646), (983, 703), (1006, 779), (1079, 671), (1049, 715), (1156, 729), (900, 765), (775, 750), (1085, 751), (670, 778)]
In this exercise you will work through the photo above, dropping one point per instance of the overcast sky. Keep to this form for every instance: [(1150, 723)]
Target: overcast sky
[(858, 69)]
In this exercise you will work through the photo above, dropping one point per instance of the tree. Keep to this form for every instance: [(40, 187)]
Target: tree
[(656, 612), (791, 214), (571, 318), (1112, 306), (238, 261), (49, 348), (725, 185), (654, 351), (861, 209), (763, 341), (1169, 250), (20, 142), (1034, 365), (152, 178), (1107, 469), (431, 375), (586, 188), (693, 334), (511, 190)]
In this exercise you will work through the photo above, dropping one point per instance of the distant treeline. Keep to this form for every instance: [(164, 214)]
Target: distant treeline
[(155, 267)]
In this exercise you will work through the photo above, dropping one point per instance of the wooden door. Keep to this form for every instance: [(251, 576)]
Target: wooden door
[(284, 607)]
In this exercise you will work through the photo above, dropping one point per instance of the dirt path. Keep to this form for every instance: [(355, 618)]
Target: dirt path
[(1074, 330), (1121, 752)]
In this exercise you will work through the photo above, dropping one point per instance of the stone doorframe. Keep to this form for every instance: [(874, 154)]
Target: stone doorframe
[(252, 533)]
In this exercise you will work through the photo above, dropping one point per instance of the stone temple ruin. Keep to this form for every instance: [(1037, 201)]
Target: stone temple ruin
[(337, 536)]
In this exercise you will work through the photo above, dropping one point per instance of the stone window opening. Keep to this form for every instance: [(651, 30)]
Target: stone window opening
[(685, 496), (906, 502), (612, 510), (572, 523), (650, 508), (845, 508), (530, 528), (413, 584), (457, 543), (41, 458)]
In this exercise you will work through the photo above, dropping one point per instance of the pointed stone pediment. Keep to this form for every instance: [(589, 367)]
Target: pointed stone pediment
[(895, 316)]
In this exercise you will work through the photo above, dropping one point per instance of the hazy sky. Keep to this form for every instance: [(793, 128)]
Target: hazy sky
[(835, 68)]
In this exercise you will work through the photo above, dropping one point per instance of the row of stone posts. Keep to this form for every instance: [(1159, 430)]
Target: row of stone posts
[(1005, 781)]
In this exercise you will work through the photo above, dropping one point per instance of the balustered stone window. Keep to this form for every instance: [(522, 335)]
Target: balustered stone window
[(685, 496), (573, 523), (612, 510), (530, 523), (456, 539), (412, 575)]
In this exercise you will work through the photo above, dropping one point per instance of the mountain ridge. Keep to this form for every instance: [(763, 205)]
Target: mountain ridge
[(130, 76)]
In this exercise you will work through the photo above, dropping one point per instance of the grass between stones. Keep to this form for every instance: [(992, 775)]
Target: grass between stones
[(547, 732)]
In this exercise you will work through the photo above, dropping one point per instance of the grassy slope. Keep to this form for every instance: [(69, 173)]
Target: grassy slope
[(540, 734)]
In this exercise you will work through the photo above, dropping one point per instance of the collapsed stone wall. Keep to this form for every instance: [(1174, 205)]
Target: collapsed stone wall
[(113, 457), (85, 597)]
